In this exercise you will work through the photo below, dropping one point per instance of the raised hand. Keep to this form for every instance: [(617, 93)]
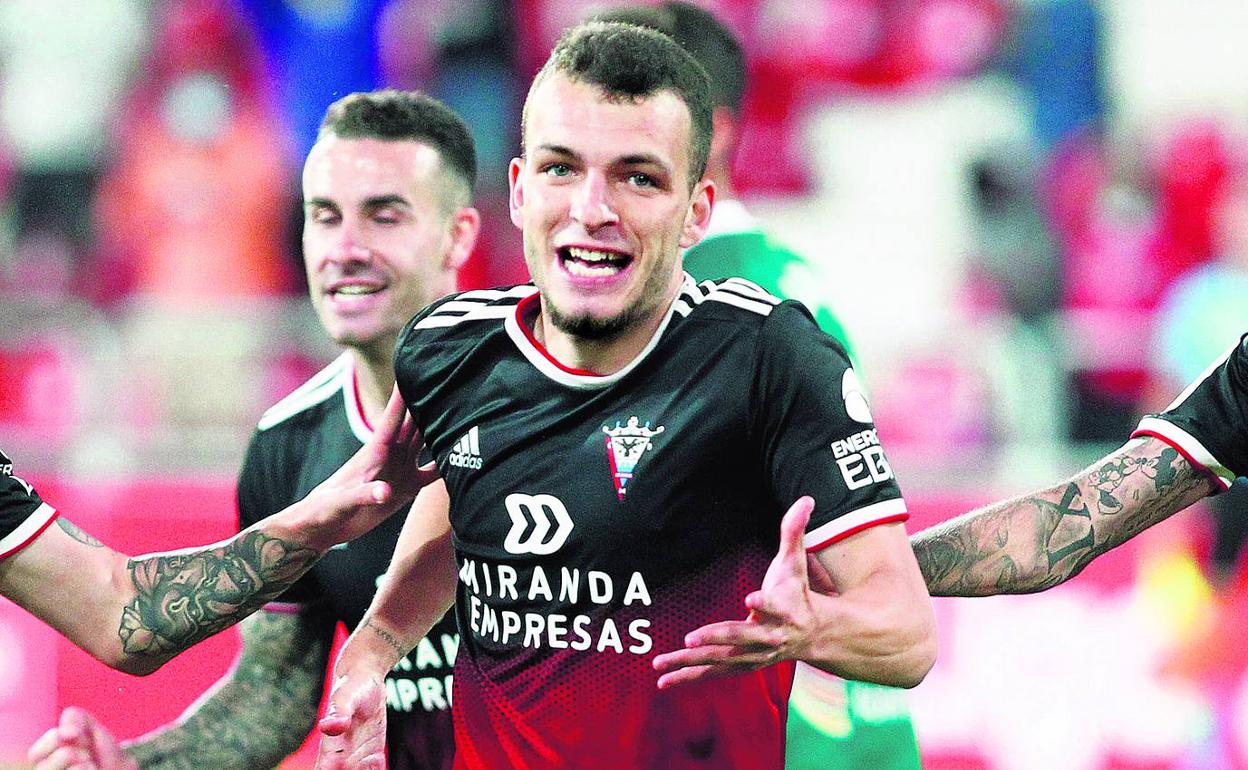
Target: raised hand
[(781, 623), (384, 475), (79, 742), (353, 730)]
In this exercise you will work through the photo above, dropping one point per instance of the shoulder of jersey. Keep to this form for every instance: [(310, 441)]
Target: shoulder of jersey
[(319, 388), (468, 310), (727, 299)]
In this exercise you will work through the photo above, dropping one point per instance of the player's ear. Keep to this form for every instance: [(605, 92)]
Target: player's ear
[(698, 215), (515, 197), (465, 225)]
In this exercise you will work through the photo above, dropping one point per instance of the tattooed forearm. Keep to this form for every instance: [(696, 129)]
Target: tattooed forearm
[(77, 533), (261, 712), (1036, 541), (184, 598)]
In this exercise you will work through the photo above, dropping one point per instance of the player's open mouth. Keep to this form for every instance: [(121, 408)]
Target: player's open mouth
[(353, 289), (592, 263)]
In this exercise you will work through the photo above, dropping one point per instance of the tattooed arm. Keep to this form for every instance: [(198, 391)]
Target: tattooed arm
[(1037, 541), (136, 613), (261, 711), (254, 717)]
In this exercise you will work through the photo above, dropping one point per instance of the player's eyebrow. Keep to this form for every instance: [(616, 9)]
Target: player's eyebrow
[(378, 201), (371, 202), (642, 159), (632, 159), (558, 149)]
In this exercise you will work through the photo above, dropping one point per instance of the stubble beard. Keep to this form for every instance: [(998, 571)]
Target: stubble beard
[(588, 327)]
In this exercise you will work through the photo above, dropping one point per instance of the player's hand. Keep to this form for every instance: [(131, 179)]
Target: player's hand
[(383, 476), (781, 623), (353, 730), (79, 742)]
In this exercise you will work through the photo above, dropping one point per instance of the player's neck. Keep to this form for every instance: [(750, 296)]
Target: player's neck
[(602, 357), (374, 379)]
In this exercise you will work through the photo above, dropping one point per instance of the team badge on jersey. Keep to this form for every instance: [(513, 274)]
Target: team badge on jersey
[(625, 445)]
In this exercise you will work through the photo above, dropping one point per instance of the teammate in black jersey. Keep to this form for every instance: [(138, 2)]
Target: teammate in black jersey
[(1195, 448), (388, 222), (619, 446), (135, 613)]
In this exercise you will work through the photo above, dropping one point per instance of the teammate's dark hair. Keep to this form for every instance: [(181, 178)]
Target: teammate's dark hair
[(395, 115), (630, 63), (704, 36)]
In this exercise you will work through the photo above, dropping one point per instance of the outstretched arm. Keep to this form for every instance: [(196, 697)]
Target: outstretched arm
[(856, 609), (136, 613), (417, 590), (251, 719), (1036, 541)]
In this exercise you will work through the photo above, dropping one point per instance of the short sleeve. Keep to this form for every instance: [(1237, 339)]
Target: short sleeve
[(1208, 422), (23, 514), (815, 431)]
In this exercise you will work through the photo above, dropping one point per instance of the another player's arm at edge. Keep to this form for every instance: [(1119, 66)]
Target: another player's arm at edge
[(258, 713), (136, 613), (1036, 541)]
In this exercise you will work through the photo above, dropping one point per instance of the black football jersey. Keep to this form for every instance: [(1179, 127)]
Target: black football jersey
[(23, 514), (598, 519), (298, 443), (1208, 422)]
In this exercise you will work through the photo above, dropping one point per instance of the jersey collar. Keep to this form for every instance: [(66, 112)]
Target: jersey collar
[(351, 400), (518, 329)]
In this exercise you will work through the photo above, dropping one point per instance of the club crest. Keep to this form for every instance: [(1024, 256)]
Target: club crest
[(625, 445)]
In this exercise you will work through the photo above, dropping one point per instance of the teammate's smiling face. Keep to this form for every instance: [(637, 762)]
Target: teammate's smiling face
[(380, 238), (603, 198)]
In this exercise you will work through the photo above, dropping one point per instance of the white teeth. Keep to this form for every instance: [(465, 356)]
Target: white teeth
[(589, 255), (356, 290), (592, 263)]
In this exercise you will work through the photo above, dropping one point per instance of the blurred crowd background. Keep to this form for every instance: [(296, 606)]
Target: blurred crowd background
[(1031, 216)]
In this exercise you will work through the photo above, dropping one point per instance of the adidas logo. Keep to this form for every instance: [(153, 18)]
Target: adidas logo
[(467, 451)]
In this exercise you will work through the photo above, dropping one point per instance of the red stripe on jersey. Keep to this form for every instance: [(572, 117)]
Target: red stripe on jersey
[(55, 515), (359, 405), (523, 307), (855, 530), (1218, 481)]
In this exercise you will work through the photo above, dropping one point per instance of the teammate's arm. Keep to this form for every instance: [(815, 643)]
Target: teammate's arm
[(1037, 541), (136, 613), (252, 718), (417, 590), (857, 609)]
